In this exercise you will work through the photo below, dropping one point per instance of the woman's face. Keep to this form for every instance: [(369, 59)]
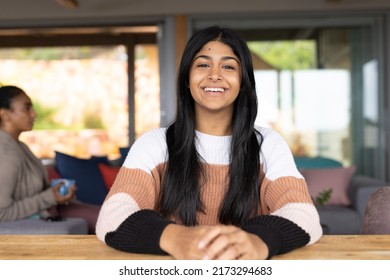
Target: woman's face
[(21, 115), (215, 78)]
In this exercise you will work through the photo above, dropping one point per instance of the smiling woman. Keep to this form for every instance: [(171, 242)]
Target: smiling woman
[(212, 185)]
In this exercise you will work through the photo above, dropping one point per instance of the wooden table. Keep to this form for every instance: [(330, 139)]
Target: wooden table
[(88, 247), (343, 247)]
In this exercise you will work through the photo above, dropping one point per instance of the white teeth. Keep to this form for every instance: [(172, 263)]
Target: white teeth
[(214, 89)]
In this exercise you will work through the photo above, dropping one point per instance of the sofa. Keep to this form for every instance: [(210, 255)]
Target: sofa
[(343, 213), (94, 177), (37, 226)]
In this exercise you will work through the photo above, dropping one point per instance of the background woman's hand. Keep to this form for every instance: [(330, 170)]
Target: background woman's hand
[(64, 199), (217, 242)]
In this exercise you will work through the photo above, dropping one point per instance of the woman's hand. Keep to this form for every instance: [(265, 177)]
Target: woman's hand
[(64, 199), (217, 242), (182, 243), (229, 243)]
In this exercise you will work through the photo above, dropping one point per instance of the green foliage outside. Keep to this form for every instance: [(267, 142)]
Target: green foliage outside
[(45, 117), (286, 55), (139, 53), (93, 121)]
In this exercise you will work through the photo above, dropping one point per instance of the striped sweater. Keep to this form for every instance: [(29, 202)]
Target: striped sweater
[(128, 219)]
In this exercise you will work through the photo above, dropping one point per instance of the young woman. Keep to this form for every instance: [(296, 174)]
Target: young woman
[(24, 186), (211, 185)]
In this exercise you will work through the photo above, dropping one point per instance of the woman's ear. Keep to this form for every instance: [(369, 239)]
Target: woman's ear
[(3, 115)]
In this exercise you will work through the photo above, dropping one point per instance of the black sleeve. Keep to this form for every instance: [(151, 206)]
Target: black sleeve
[(279, 234), (139, 233)]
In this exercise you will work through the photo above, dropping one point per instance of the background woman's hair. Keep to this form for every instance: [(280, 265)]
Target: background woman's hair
[(184, 178), (7, 94)]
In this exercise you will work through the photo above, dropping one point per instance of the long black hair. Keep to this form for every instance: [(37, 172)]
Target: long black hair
[(183, 178)]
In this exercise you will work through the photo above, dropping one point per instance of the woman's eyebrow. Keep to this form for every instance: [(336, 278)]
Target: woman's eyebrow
[(223, 58), (202, 56), (231, 57)]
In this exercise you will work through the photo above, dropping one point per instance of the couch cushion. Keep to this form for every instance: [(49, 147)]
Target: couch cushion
[(316, 162), (89, 181), (124, 151), (109, 174), (337, 179)]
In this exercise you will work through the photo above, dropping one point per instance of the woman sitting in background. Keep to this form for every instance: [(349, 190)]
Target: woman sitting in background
[(24, 188)]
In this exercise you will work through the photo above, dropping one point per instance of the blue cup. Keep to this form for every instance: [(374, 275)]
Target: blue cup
[(66, 184)]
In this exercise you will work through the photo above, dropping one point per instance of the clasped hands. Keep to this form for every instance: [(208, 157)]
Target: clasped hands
[(219, 242)]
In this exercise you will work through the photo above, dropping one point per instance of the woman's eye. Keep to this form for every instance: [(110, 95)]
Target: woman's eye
[(228, 67), (202, 65)]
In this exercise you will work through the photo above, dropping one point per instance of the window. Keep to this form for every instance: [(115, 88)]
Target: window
[(79, 94), (295, 98), (90, 99), (333, 107)]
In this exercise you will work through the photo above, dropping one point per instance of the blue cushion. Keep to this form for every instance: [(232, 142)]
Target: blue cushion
[(124, 151), (101, 159), (89, 180), (316, 162)]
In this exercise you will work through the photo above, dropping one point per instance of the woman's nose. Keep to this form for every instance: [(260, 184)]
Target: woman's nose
[(33, 114), (214, 74)]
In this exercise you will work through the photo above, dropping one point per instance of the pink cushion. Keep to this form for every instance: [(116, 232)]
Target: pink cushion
[(322, 179), (109, 174)]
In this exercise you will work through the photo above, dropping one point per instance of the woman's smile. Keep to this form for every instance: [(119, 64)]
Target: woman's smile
[(214, 91)]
